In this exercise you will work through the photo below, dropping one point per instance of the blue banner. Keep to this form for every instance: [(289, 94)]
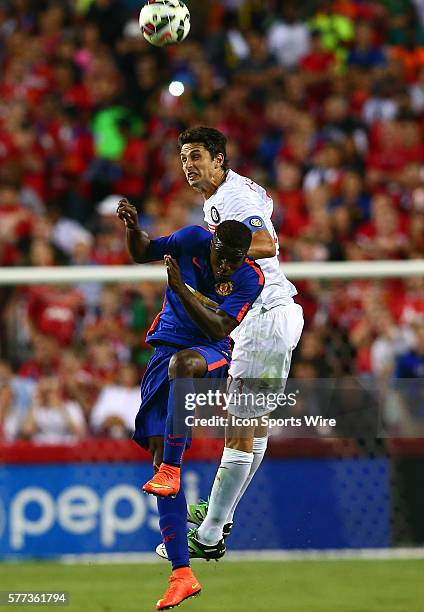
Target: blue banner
[(50, 510)]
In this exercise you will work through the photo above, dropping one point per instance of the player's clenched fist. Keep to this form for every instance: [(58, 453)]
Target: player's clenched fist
[(127, 213)]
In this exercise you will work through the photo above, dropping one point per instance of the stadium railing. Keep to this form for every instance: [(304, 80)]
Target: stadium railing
[(299, 270)]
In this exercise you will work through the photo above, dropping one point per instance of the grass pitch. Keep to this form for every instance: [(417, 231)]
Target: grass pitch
[(245, 586)]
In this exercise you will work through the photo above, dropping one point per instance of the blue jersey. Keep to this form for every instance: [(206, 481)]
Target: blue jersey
[(190, 247)]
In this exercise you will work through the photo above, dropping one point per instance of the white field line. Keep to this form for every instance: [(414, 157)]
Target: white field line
[(260, 555)]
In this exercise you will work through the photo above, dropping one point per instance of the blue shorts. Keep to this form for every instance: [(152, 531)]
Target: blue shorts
[(151, 417)]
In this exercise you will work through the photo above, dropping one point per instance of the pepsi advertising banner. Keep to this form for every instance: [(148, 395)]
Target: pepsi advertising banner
[(52, 510)]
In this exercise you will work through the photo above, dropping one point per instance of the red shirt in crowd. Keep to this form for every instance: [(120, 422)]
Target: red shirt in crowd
[(54, 312)]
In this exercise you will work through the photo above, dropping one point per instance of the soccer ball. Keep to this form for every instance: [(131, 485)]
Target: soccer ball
[(163, 22)]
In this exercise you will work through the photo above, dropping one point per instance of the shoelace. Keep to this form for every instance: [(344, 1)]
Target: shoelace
[(169, 475)]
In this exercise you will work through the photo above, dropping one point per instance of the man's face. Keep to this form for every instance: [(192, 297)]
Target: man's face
[(224, 261), (198, 165)]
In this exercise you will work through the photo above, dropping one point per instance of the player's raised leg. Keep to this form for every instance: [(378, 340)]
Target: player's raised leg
[(234, 469), (263, 349), (197, 512), (259, 445), (173, 527), (184, 365)]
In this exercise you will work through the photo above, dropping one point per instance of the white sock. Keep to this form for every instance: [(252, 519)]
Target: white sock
[(232, 473), (259, 448)]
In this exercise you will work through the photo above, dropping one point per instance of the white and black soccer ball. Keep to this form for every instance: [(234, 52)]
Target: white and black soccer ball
[(164, 22)]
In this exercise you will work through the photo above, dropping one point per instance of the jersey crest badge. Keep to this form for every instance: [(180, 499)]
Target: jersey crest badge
[(224, 289), (215, 215)]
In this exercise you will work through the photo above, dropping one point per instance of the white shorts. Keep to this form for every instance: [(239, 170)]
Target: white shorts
[(263, 347)]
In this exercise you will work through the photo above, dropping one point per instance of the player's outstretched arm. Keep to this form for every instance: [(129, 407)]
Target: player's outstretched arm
[(137, 241), (215, 325), (262, 245)]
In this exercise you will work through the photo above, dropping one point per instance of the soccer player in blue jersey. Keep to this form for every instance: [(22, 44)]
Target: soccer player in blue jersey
[(191, 341)]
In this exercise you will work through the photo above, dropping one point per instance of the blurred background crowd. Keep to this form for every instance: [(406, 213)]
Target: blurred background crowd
[(322, 103)]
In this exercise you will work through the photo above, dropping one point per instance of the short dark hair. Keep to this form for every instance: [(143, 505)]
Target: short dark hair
[(213, 140), (234, 235)]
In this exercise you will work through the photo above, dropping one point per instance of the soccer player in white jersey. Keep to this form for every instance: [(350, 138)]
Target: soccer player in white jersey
[(264, 341)]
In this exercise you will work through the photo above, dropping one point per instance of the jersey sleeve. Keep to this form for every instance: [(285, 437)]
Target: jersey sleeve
[(255, 223), (165, 245), (182, 241), (247, 288), (248, 209)]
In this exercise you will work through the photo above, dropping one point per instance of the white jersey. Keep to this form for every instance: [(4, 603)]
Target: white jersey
[(241, 199)]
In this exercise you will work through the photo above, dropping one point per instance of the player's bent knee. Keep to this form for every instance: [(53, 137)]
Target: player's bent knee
[(187, 364)]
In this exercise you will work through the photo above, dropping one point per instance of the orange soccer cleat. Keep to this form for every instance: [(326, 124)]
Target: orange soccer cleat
[(182, 585), (165, 483)]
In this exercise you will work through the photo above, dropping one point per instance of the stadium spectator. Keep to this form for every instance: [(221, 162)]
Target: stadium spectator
[(52, 419), (16, 224), (9, 424), (365, 53), (110, 321), (55, 311), (410, 371), (114, 412), (392, 341), (45, 358), (108, 248), (289, 37), (110, 17), (353, 197), (318, 66), (411, 363), (15, 401), (337, 30), (102, 362)]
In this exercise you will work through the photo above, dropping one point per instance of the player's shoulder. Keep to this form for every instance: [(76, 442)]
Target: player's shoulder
[(192, 236), (250, 272), (236, 182), (240, 189)]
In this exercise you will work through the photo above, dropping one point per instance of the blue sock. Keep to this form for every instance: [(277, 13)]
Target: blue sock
[(173, 528), (174, 446)]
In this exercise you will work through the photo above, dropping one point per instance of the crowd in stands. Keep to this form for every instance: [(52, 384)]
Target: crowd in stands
[(322, 103)]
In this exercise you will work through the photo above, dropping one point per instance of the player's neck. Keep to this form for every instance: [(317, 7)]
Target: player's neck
[(215, 182)]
